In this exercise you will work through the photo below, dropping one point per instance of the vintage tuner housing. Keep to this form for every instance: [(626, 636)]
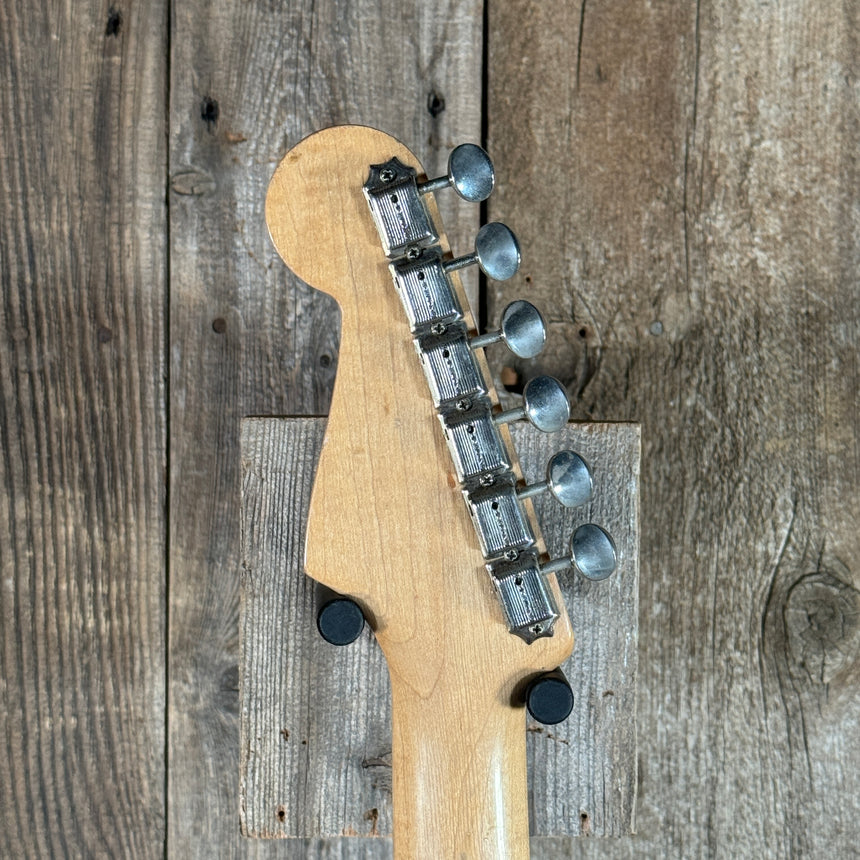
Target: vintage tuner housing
[(499, 519), (529, 606), (452, 373), (461, 394), (398, 208), (426, 292)]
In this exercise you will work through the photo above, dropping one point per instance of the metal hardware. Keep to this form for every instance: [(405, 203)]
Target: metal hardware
[(502, 527), (475, 445), (497, 252), (459, 389), (522, 329), (568, 478), (398, 209), (451, 371), (545, 405), (530, 609), (592, 553), (470, 172), (426, 292)]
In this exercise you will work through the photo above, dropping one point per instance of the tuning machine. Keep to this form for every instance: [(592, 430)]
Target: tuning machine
[(545, 405), (522, 329), (592, 553), (470, 173), (497, 252), (568, 479)]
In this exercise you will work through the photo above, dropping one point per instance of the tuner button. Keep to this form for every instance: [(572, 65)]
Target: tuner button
[(568, 478), (340, 621), (545, 404), (497, 252), (470, 172), (549, 698), (522, 329), (592, 553)]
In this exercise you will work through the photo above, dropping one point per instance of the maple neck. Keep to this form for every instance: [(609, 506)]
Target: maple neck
[(459, 782)]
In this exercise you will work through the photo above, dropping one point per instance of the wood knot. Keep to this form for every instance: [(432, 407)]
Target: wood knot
[(822, 621)]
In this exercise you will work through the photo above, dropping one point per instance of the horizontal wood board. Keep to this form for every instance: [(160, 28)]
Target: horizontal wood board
[(315, 719)]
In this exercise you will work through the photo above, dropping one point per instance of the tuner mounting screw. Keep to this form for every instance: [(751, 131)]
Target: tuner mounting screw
[(413, 253), (438, 328), (513, 555), (386, 174), (340, 621), (464, 405), (487, 480), (549, 698)]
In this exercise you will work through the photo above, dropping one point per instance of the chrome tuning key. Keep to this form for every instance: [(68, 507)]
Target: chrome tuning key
[(522, 329), (592, 553), (568, 478), (545, 405), (470, 173), (497, 252)]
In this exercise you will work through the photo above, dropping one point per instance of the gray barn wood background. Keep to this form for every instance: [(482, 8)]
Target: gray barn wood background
[(683, 177)]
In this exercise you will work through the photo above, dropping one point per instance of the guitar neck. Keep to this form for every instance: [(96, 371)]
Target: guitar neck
[(459, 775)]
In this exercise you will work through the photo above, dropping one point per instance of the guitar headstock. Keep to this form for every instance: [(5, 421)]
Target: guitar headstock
[(444, 585)]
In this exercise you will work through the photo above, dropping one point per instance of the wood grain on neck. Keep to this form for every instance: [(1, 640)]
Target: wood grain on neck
[(388, 525)]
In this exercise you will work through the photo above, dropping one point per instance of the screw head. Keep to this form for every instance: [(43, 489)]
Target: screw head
[(386, 174), (413, 253), (487, 481)]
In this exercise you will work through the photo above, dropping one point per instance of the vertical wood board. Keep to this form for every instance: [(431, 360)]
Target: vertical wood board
[(82, 429), (248, 80), (700, 277), (316, 735)]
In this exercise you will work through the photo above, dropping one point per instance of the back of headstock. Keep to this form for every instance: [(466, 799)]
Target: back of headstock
[(387, 522)]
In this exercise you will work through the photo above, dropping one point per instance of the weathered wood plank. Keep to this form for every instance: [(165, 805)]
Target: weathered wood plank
[(82, 429), (700, 162), (316, 734), (248, 80)]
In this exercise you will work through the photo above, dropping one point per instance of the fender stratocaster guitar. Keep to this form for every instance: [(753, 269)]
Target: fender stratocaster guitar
[(418, 510)]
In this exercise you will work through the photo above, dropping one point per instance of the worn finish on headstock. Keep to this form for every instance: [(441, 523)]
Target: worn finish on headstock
[(388, 525)]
